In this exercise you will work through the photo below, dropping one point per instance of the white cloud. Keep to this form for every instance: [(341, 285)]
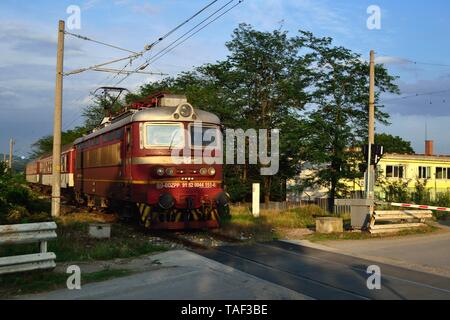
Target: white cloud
[(392, 60), (145, 8)]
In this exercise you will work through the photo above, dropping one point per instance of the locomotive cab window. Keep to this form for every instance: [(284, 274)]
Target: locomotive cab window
[(204, 135), (164, 135)]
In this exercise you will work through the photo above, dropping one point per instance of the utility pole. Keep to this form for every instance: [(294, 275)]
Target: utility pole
[(370, 167), (56, 165), (11, 146)]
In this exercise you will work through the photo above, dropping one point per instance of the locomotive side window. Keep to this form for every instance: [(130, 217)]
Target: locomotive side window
[(128, 139), (164, 135), (204, 136)]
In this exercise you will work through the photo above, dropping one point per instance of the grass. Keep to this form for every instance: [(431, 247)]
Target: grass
[(270, 224), (39, 281), (74, 244), (317, 237), (291, 224)]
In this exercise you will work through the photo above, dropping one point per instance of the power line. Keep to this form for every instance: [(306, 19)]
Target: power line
[(98, 42), (159, 57), (183, 23), (162, 52), (412, 61), (134, 56), (150, 46), (416, 95), (128, 71), (430, 63)]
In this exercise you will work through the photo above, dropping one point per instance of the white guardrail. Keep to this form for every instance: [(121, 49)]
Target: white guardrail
[(28, 233)]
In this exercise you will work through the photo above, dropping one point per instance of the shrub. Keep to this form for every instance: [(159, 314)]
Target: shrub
[(18, 204)]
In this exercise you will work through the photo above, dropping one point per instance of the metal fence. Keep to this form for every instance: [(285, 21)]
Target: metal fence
[(28, 233), (286, 205)]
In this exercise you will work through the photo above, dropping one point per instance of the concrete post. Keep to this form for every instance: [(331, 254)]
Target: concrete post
[(56, 166), (255, 202)]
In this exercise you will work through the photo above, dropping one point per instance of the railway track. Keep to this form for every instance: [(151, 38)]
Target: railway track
[(325, 275), (315, 273), (196, 240)]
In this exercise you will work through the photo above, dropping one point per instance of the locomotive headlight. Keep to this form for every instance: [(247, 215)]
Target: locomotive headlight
[(186, 110), (203, 171), (169, 171), (211, 171), (160, 172)]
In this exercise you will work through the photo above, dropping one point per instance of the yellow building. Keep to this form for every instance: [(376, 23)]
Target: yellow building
[(433, 171)]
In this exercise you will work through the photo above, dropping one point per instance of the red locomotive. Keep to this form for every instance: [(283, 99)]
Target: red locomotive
[(149, 159)]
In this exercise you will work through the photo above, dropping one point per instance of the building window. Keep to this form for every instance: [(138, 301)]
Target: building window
[(424, 172), (442, 173), (395, 171)]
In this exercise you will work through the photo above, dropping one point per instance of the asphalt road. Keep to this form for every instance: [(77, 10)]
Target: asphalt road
[(180, 275), (430, 251), (325, 275), (274, 270)]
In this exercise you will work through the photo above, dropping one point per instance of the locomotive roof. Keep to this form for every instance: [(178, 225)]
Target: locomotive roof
[(152, 114)]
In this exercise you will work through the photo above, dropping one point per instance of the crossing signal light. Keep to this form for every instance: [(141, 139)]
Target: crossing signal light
[(377, 152)]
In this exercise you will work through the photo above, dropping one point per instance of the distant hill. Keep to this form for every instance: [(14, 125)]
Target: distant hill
[(18, 163)]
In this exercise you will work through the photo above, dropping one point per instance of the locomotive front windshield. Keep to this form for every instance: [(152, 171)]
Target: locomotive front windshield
[(165, 135), (204, 136)]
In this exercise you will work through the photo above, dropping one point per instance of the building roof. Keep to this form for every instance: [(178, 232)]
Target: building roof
[(421, 157)]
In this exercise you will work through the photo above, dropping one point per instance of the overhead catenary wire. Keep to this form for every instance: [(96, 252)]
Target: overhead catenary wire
[(150, 46), (99, 42), (168, 48), (183, 23), (159, 57), (135, 55), (415, 95), (128, 71)]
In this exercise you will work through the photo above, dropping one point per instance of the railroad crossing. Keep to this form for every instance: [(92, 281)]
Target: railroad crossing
[(274, 270)]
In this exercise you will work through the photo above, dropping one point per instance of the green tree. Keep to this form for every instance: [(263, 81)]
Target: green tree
[(100, 108), (261, 85), (338, 114), (93, 116), (393, 144), (45, 144)]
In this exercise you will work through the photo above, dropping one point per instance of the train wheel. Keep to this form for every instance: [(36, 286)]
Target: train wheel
[(223, 211)]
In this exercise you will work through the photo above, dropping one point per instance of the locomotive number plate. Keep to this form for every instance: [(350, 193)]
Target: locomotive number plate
[(193, 184)]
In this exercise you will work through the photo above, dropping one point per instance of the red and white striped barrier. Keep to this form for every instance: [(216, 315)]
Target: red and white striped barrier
[(418, 206)]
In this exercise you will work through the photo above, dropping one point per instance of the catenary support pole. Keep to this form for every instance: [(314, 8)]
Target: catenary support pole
[(56, 166), (11, 147)]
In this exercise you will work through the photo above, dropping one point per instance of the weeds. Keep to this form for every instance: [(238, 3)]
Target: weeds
[(74, 244), (38, 281)]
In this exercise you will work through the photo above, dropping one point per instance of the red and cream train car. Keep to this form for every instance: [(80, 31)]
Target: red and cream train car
[(40, 170), (142, 161)]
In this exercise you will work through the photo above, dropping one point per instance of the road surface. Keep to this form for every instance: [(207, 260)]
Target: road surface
[(182, 275), (275, 270), (427, 252), (325, 275)]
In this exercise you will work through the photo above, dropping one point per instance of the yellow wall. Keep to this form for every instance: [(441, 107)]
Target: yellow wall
[(411, 164)]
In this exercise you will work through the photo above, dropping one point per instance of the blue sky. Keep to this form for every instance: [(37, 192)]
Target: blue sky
[(410, 31)]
